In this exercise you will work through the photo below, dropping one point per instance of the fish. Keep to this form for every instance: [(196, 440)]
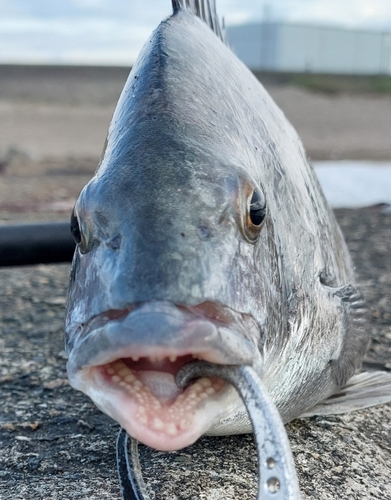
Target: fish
[(204, 235)]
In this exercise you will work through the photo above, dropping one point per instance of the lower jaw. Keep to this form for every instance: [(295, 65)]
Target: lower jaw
[(164, 423)]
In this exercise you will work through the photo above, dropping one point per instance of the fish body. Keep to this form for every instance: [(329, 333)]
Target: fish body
[(205, 234)]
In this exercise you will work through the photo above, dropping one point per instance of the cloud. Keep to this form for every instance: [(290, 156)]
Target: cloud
[(113, 31), (362, 13)]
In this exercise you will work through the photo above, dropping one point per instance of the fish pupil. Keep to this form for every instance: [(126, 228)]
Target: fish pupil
[(75, 229), (257, 210)]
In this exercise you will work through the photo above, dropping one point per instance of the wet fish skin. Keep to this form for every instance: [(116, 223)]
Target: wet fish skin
[(164, 221)]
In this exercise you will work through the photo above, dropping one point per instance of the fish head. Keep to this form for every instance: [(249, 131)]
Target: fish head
[(174, 257), (160, 277)]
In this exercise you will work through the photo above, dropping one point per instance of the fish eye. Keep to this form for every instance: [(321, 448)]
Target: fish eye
[(77, 234), (255, 214), (75, 229), (257, 208)]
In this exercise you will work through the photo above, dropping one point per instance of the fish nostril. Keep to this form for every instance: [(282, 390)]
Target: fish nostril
[(203, 232), (115, 242)]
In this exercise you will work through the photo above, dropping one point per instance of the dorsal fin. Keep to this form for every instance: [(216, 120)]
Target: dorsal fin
[(205, 10)]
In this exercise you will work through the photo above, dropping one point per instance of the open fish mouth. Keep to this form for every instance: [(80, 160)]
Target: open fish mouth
[(127, 364), (276, 468)]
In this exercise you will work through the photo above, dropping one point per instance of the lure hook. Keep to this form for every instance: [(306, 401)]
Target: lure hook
[(276, 469)]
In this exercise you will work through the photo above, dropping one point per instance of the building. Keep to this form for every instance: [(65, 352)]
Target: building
[(278, 46)]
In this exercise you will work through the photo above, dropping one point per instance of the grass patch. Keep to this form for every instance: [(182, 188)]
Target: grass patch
[(329, 84), (336, 84)]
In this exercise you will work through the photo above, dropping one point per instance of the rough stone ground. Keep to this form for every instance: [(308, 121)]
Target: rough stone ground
[(53, 442), (56, 444)]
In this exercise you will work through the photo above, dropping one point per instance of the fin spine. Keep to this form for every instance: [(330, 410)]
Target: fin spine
[(205, 10)]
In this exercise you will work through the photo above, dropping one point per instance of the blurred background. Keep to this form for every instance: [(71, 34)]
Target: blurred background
[(111, 32), (327, 63)]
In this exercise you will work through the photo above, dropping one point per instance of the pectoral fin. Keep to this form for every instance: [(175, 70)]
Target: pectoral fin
[(363, 390), (356, 337)]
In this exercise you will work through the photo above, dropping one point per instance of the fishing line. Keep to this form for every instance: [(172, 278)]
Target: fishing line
[(276, 469)]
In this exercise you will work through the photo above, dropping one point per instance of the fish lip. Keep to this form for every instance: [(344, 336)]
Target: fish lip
[(161, 328)]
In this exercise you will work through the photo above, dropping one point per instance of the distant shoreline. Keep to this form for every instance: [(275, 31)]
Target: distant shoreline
[(110, 79), (61, 112)]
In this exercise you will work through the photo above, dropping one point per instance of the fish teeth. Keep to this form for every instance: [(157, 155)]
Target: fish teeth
[(160, 416), (184, 424), (171, 429), (157, 424), (196, 387), (117, 365), (205, 382), (123, 371)]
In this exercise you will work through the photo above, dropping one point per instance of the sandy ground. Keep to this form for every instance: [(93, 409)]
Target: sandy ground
[(54, 443), (57, 112)]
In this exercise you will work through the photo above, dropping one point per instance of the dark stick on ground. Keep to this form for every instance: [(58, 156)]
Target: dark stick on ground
[(27, 244)]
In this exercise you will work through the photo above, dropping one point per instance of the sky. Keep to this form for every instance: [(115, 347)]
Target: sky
[(112, 32)]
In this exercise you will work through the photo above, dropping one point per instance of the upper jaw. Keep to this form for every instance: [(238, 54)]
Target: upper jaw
[(161, 329), (128, 364)]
